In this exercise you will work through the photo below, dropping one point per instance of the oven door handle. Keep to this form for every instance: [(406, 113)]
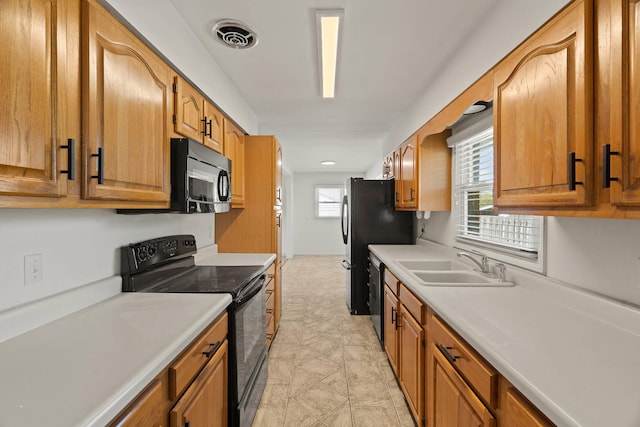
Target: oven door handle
[(251, 290)]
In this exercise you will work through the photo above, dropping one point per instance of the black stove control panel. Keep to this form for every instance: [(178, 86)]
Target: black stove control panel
[(141, 256)]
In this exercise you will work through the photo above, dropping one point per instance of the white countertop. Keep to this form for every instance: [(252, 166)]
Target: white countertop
[(236, 259), (83, 369), (575, 355)]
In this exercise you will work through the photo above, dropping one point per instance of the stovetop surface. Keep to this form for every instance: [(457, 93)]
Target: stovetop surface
[(208, 279)]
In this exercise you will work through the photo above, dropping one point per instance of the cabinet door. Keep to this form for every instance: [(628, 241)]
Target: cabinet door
[(543, 113), (213, 133), (205, 401), (278, 174), (411, 338), (518, 412), (32, 94), (126, 99), (234, 149), (625, 104), (409, 174), (147, 410), (390, 328), (188, 119), (455, 404)]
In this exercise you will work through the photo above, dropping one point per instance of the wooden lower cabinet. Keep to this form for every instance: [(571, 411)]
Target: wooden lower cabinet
[(390, 328), (411, 345), (517, 411), (454, 403), (146, 410), (193, 388), (205, 401)]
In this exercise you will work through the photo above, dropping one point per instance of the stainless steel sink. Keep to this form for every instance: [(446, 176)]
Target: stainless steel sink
[(432, 264)]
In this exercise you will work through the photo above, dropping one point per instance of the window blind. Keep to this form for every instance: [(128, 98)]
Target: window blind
[(476, 218)]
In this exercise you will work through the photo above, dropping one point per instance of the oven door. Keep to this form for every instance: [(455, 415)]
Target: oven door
[(250, 332)]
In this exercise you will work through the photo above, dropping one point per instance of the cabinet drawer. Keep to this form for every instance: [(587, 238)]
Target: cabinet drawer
[(412, 304), (271, 271), (270, 304), (392, 282), (269, 286), (187, 366), (480, 376), (271, 328)]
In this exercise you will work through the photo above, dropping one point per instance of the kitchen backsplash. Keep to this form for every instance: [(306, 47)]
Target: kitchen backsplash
[(599, 255), (78, 246)]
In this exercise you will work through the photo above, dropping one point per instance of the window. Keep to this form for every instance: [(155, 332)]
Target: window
[(477, 223), (328, 200)]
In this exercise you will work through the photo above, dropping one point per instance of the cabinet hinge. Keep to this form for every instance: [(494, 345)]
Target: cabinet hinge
[(175, 119), (175, 88)]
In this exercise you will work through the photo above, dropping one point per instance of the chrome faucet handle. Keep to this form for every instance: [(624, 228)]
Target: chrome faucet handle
[(502, 271), (483, 259)]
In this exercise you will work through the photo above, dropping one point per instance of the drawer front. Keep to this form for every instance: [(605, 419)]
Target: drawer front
[(480, 376), (271, 272), (412, 304), (187, 366), (269, 286), (270, 304), (392, 282), (271, 330)]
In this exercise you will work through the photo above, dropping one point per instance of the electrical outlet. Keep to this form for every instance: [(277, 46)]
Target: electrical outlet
[(32, 269)]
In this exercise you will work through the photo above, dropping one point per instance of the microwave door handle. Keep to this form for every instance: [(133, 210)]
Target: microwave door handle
[(223, 186)]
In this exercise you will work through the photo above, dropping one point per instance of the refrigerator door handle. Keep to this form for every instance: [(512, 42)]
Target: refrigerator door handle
[(345, 219), (346, 265)]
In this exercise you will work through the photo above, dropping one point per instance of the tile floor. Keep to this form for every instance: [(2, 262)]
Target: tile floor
[(326, 367)]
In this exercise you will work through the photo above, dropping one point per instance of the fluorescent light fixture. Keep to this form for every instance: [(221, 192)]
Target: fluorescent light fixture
[(328, 23), (327, 163)]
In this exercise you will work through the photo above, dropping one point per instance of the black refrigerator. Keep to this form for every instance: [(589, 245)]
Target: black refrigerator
[(369, 217)]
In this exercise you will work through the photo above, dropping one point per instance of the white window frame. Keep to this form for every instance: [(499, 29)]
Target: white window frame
[(316, 201), (476, 127)]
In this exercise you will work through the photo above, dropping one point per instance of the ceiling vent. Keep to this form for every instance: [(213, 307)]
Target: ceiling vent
[(234, 34)]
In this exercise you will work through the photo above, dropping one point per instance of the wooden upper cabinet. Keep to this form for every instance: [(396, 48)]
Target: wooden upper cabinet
[(213, 120), (543, 115), (234, 149), (32, 94), (126, 101), (195, 117), (188, 117), (409, 174), (278, 173), (623, 103)]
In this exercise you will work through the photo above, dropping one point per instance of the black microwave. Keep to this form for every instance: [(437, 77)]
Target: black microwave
[(200, 178)]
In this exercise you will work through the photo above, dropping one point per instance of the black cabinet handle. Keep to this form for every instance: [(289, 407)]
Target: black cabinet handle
[(571, 171), (210, 124), (606, 165), (212, 350), (71, 155), (278, 220), (411, 194), (100, 157), (447, 353), (187, 423), (397, 197), (394, 317), (269, 310)]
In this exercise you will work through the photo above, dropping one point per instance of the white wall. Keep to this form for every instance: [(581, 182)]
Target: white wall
[(511, 22), (163, 26), (315, 236), (78, 246)]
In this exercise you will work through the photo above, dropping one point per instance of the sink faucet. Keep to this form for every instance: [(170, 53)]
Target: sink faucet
[(483, 264)]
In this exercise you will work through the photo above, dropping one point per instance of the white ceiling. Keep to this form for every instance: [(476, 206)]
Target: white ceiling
[(389, 52)]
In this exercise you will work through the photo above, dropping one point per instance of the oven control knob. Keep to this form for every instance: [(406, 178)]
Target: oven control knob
[(152, 249)]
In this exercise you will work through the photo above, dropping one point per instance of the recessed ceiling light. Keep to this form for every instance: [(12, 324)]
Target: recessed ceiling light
[(327, 163), (328, 23)]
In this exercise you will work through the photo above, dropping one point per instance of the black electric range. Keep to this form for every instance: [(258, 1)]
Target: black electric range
[(166, 265)]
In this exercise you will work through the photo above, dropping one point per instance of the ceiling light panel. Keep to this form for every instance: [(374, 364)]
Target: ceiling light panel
[(328, 27)]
